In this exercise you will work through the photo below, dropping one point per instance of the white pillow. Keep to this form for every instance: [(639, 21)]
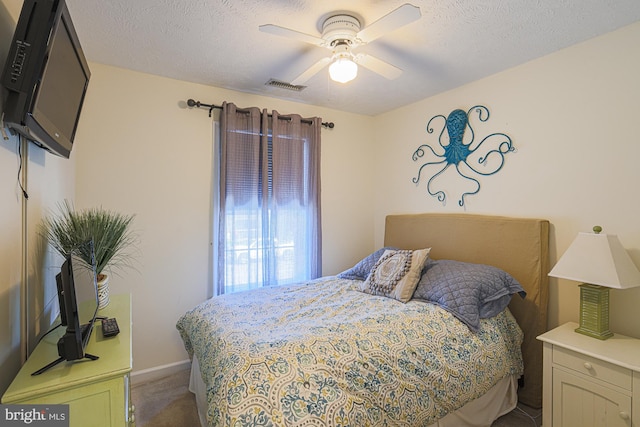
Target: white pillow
[(396, 274)]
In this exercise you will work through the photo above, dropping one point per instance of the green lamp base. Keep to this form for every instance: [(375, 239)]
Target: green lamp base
[(594, 311)]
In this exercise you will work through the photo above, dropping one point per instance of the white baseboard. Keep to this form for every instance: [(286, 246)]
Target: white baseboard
[(157, 372)]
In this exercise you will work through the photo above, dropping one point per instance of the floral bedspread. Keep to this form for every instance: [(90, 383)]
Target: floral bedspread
[(324, 354)]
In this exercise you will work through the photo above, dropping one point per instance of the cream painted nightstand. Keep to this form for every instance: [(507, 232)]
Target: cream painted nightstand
[(98, 391), (590, 382)]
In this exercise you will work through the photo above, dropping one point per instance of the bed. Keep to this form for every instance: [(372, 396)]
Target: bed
[(341, 351)]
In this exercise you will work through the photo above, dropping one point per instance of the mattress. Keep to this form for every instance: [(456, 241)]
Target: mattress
[(325, 353), (501, 399)]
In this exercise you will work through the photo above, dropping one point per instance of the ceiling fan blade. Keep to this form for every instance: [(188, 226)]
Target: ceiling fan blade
[(378, 66), (293, 34), (400, 17), (311, 71)]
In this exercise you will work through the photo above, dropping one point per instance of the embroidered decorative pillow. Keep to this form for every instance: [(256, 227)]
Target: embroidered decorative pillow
[(361, 270), (396, 274), (469, 291)]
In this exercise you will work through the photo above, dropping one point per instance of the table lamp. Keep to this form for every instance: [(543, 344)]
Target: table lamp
[(600, 261)]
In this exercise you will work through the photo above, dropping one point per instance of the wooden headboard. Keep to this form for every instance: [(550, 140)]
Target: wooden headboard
[(519, 246)]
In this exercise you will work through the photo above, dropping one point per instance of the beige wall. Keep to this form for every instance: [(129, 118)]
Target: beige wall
[(50, 179), (573, 118), (139, 150), (10, 241), (143, 152)]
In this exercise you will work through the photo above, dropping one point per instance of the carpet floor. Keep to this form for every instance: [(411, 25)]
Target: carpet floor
[(167, 402)]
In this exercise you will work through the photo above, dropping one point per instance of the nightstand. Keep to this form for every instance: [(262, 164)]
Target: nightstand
[(590, 382)]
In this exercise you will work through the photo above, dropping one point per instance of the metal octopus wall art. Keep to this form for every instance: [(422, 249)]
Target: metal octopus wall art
[(471, 158)]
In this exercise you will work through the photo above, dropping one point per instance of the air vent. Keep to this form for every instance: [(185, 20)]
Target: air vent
[(284, 85)]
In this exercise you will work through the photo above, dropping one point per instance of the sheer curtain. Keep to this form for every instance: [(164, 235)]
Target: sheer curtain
[(268, 215)]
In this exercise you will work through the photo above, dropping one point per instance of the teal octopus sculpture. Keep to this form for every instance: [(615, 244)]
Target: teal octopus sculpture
[(470, 158)]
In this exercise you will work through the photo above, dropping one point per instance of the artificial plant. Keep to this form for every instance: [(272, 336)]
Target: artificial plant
[(111, 232)]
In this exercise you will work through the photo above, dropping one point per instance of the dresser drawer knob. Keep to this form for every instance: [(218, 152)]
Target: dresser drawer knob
[(624, 415), (588, 366)]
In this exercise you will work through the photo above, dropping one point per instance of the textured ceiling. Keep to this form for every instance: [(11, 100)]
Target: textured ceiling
[(217, 42)]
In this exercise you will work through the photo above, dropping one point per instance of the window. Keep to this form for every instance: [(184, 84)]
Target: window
[(268, 216)]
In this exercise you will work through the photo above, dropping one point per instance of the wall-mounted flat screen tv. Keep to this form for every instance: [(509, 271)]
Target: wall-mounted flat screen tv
[(45, 77)]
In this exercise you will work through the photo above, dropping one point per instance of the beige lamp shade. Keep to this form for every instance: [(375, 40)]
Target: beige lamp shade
[(598, 259)]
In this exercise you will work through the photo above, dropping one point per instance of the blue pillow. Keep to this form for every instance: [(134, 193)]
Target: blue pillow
[(469, 291), (361, 270)]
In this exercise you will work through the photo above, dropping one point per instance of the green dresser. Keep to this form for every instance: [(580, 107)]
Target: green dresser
[(98, 392)]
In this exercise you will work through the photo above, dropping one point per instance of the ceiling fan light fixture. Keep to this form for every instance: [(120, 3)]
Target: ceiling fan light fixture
[(342, 32), (343, 70)]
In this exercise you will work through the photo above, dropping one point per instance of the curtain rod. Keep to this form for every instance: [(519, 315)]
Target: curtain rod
[(192, 103)]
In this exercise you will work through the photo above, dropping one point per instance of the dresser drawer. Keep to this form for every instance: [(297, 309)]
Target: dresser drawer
[(592, 367)]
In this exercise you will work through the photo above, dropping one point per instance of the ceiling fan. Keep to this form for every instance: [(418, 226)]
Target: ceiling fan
[(341, 33)]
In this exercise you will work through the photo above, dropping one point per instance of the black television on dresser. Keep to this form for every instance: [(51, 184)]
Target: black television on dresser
[(78, 297), (45, 77)]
